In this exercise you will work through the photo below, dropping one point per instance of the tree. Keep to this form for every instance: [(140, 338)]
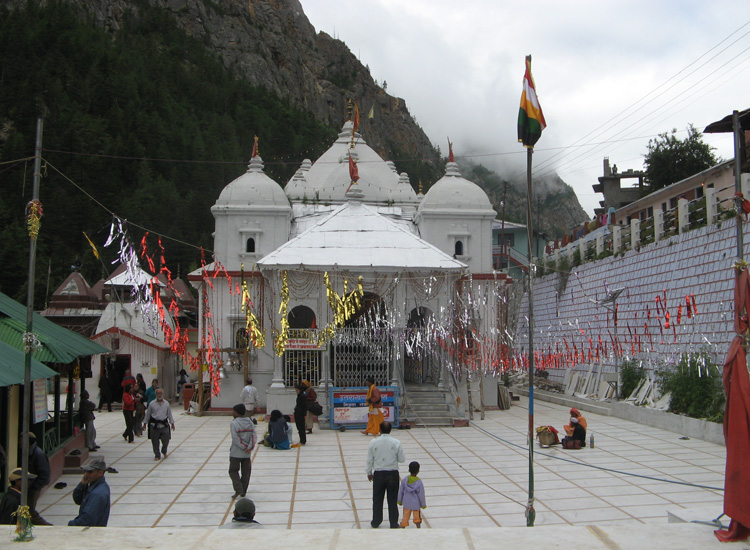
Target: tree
[(670, 159)]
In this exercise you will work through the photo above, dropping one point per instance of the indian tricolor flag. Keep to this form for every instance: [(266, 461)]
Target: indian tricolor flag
[(530, 117)]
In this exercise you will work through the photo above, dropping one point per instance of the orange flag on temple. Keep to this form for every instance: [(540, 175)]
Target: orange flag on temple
[(353, 170), (450, 151), (255, 148), (356, 118)]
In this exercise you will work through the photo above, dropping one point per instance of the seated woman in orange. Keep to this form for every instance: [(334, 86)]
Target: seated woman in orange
[(375, 415), (569, 428)]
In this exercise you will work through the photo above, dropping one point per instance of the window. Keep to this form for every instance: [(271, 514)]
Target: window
[(699, 192), (250, 245), (673, 202), (459, 249), (650, 212)]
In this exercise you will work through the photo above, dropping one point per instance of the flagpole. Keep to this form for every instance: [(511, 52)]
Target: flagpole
[(530, 512)]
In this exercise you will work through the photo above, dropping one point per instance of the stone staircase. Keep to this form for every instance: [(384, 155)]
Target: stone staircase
[(427, 406)]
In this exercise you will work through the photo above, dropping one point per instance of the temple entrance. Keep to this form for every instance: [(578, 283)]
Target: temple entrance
[(420, 365), (362, 348)]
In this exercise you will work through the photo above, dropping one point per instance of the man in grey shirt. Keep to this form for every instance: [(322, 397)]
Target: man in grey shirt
[(158, 419)]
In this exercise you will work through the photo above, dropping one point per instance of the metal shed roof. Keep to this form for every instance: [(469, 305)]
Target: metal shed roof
[(63, 345), (12, 367)]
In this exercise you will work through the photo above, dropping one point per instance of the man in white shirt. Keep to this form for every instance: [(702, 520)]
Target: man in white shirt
[(249, 397), (383, 456)]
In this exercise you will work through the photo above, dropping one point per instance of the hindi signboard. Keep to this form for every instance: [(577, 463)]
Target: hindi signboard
[(40, 400), (349, 406)]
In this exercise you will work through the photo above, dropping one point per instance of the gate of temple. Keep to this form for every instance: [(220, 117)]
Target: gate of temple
[(357, 353)]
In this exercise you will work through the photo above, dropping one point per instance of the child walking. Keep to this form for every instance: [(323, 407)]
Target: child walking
[(411, 495)]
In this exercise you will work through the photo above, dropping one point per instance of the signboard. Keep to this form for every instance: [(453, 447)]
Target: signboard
[(349, 407), (40, 400), (302, 344)]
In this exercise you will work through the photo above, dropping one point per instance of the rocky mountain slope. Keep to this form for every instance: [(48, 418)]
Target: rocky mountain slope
[(271, 44)]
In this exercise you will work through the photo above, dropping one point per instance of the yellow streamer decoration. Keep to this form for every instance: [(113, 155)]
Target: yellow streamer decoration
[(281, 337), (252, 324), (346, 305)]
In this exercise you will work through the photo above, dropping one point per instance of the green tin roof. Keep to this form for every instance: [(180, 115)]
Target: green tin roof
[(12, 367), (59, 345)]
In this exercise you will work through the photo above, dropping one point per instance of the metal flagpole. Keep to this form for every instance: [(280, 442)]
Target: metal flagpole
[(28, 340), (530, 513)]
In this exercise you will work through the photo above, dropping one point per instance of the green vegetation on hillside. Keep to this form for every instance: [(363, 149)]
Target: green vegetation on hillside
[(144, 120)]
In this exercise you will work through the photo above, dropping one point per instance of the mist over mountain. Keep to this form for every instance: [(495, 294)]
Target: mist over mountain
[(150, 109)]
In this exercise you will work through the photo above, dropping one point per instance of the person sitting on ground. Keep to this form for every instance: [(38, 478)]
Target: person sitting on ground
[(575, 413), (277, 437), (244, 515), (579, 434)]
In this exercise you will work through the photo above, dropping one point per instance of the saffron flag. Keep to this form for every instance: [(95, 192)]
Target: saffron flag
[(255, 148), (93, 246), (530, 117), (356, 118), (353, 170)]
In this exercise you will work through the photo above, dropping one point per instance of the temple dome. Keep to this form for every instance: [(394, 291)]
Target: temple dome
[(327, 180), (453, 192), (253, 188)]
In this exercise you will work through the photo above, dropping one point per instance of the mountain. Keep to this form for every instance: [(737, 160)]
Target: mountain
[(150, 109), (555, 206)]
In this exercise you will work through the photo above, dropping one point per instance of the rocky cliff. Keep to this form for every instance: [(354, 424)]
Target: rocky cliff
[(272, 45)]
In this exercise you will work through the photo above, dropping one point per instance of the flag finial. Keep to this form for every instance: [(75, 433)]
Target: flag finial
[(450, 151), (255, 148)]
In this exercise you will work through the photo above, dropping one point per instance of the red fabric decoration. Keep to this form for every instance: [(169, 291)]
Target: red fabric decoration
[(737, 421)]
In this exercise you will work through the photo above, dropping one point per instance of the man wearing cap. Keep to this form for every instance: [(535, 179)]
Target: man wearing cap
[(159, 418), (242, 431), (244, 514), (12, 499), (39, 466), (92, 494)]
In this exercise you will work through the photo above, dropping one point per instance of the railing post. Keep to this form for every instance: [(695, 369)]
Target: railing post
[(635, 233), (582, 250), (599, 244), (710, 194), (658, 224), (616, 238), (683, 215)]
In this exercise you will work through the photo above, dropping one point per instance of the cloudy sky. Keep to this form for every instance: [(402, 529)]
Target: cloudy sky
[(610, 74)]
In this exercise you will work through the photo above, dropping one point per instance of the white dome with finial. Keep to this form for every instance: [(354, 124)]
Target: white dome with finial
[(453, 192), (327, 180), (253, 188)]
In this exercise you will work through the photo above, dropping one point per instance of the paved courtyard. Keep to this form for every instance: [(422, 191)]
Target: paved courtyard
[(475, 477)]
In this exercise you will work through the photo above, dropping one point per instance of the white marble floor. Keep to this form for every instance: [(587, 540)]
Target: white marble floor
[(474, 477)]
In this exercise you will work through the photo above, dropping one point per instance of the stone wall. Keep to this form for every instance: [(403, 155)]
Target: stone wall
[(573, 327)]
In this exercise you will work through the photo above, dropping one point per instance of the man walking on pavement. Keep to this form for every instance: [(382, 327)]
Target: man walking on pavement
[(249, 396), (159, 419), (383, 456), (92, 495), (242, 431)]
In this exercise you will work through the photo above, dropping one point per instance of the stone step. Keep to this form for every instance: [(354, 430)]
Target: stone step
[(428, 413), (72, 462), (433, 422)]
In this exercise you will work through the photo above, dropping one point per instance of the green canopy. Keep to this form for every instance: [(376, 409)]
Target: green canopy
[(59, 345), (12, 367)]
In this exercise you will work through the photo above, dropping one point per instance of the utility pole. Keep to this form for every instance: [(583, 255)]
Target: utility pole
[(31, 210), (502, 231)]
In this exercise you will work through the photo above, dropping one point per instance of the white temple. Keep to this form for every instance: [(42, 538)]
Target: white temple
[(425, 263)]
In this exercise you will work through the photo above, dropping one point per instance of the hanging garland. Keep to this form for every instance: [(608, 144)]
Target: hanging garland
[(34, 213)]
